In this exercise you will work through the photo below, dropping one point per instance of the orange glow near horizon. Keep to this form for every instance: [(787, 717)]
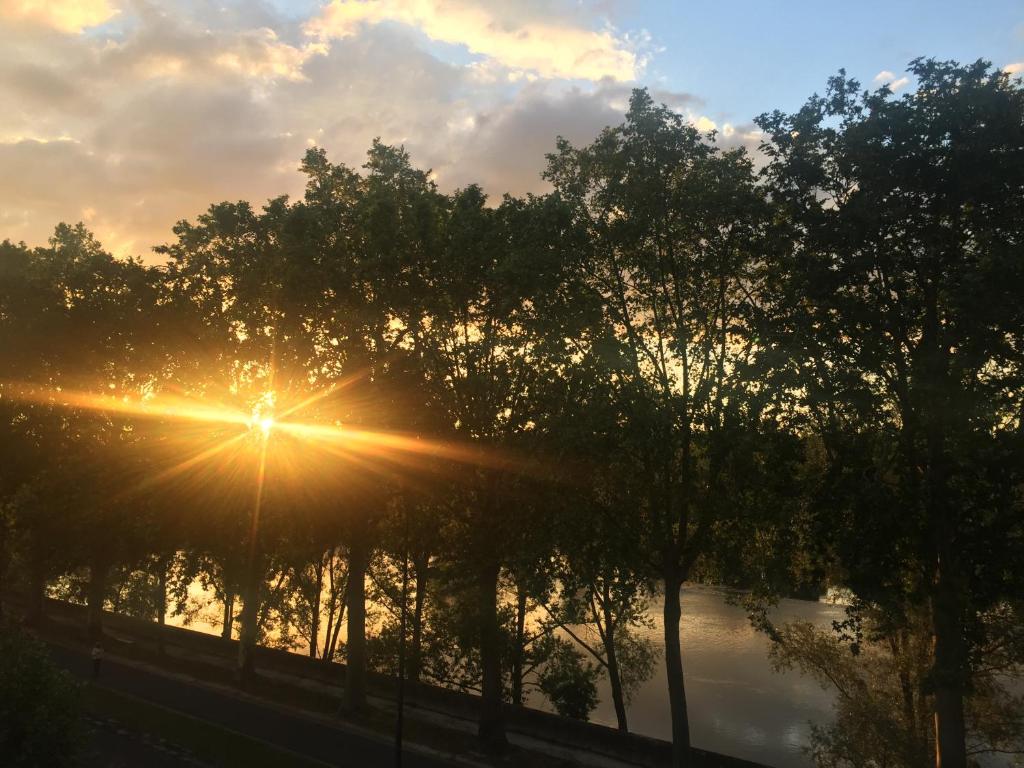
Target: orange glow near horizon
[(366, 449), (162, 406)]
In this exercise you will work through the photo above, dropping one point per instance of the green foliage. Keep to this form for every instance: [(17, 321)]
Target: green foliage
[(39, 706), (636, 657), (883, 711), (569, 682), (895, 331)]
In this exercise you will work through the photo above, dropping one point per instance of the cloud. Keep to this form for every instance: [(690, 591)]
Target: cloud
[(142, 128), (516, 35), (1015, 68), (260, 54), (70, 16), (503, 148), (165, 44), (885, 77), (176, 105), (704, 124)]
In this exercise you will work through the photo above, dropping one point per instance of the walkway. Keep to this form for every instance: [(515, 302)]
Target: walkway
[(298, 733)]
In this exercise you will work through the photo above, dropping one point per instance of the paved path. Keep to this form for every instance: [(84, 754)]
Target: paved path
[(306, 736)]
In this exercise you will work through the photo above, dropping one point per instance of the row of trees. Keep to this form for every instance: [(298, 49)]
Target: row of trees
[(672, 367)]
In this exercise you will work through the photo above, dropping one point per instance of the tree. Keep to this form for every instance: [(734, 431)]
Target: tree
[(610, 599), (485, 347), (673, 231), (90, 319), (569, 682), (412, 537), (255, 284), (902, 321), (883, 716), (602, 565), (310, 304)]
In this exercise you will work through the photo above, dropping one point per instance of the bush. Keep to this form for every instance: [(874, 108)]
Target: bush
[(39, 705), (570, 683)]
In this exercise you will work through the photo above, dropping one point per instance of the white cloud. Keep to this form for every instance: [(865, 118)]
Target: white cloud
[(260, 54), (552, 45), (71, 16), (885, 77), (1015, 68), (164, 46), (704, 124)]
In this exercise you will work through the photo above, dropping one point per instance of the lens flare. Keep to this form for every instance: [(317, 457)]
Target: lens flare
[(189, 423)]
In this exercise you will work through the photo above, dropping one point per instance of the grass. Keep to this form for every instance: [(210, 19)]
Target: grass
[(210, 743)]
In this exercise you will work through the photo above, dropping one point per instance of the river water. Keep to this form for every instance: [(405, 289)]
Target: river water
[(737, 704)]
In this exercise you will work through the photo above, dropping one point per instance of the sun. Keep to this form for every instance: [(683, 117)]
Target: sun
[(262, 418)]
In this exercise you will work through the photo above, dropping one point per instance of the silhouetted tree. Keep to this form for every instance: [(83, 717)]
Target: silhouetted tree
[(903, 319), (673, 230)]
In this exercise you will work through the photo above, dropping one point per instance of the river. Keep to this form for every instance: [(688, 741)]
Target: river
[(737, 704)]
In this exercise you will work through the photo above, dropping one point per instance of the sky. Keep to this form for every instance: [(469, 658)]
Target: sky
[(130, 115)]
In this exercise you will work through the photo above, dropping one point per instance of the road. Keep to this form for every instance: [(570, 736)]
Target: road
[(301, 735)]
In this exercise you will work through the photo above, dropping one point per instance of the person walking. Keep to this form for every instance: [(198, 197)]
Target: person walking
[(97, 658)]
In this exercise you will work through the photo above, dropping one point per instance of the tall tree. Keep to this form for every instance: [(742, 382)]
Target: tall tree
[(78, 331), (380, 229), (232, 268), (674, 229), (602, 564), (903, 319), (485, 346)]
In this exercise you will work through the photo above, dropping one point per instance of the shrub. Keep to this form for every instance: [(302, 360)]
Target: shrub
[(39, 705)]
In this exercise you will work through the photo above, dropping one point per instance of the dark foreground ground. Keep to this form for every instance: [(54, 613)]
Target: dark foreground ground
[(111, 743), (308, 741)]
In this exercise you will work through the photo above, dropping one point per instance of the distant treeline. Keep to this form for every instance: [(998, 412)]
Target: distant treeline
[(507, 424)]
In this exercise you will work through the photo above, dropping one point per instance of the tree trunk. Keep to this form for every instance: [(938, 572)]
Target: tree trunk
[(491, 725), (332, 606), (249, 619), (519, 650), (229, 613), (614, 676), (5, 555), (355, 598), (950, 657), (314, 619), (416, 652), (948, 678), (328, 655), (674, 671), (336, 614), (95, 594), (161, 603)]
